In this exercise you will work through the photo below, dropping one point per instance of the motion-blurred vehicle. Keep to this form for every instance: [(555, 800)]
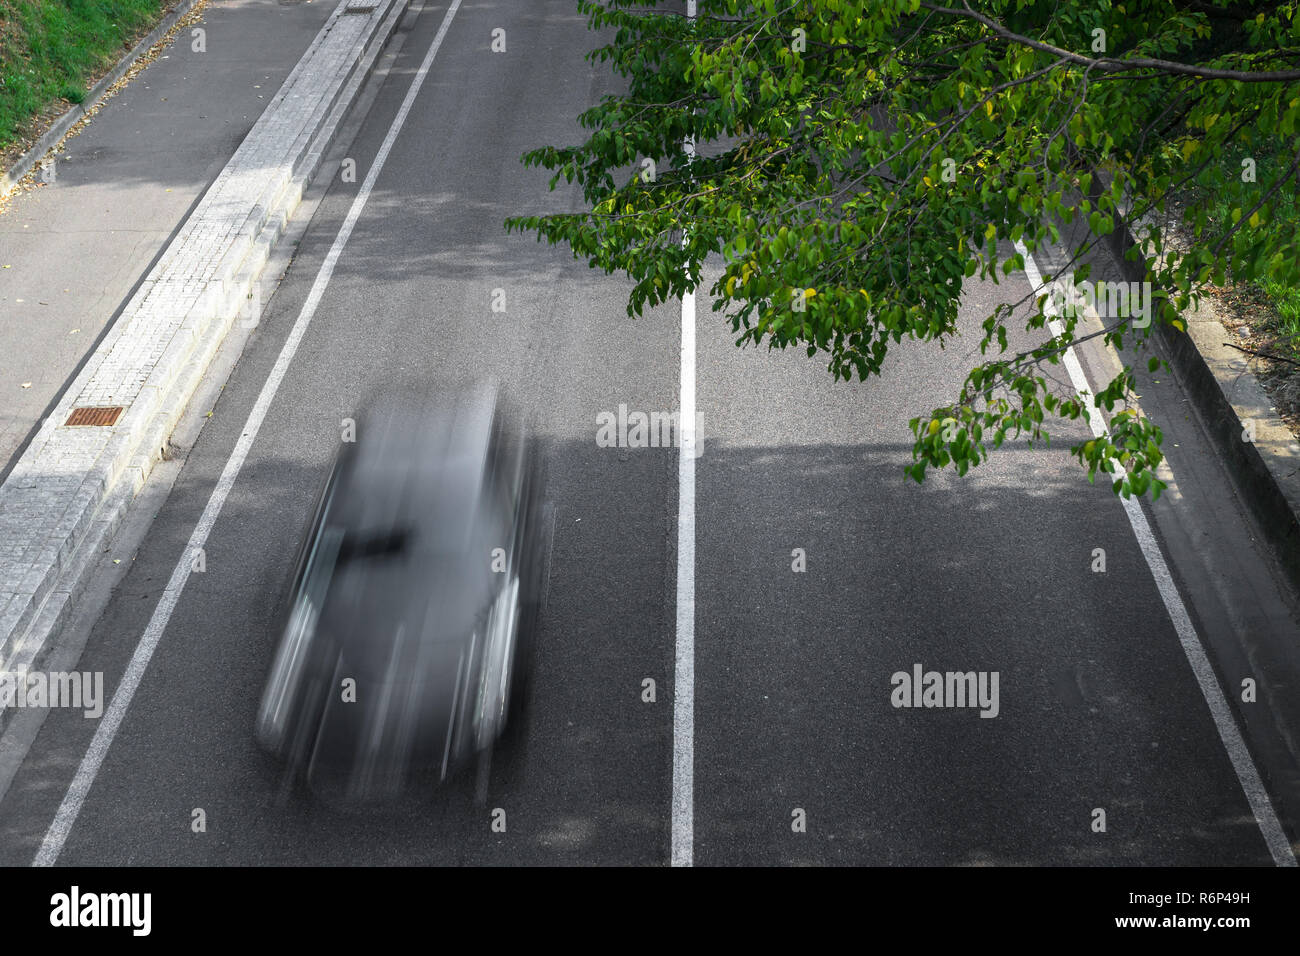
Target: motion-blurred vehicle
[(410, 622)]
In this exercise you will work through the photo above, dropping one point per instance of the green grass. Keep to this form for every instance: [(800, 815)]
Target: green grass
[(1283, 316), (49, 49), (1286, 303)]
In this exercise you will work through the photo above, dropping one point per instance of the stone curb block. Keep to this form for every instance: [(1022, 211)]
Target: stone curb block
[(118, 468), (1226, 395)]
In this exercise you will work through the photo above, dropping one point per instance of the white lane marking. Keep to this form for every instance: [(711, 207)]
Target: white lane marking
[(683, 850), (79, 789), (1247, 774), (683, 825)]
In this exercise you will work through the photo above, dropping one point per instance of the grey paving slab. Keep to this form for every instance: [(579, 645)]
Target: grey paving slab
[(153, 355), (73, 249)]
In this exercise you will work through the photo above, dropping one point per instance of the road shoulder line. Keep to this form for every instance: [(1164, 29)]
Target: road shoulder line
[(1233, 742), (70, 808), (67, 493)]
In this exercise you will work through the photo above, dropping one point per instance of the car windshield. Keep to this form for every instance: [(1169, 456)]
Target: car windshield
[(390, 506)]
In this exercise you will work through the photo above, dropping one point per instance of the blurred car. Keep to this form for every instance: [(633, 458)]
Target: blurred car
[(410, 621)]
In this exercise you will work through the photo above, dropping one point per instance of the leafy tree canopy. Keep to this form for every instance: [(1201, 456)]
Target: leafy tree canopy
[(866, 157)]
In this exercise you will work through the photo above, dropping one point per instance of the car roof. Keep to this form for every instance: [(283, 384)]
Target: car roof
[(418, 467), (418, 459)]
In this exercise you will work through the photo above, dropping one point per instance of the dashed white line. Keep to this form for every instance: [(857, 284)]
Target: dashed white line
[(79, 789), (1247, 773)]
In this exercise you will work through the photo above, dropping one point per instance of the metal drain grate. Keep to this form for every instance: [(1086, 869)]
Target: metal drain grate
[(90, 415)]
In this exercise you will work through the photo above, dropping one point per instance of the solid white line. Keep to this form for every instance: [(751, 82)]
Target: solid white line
[(683, 827), (73, 800), (1248, 775), (683, 850)]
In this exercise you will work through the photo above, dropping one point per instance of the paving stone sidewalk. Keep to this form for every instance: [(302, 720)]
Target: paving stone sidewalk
[(71, 486)]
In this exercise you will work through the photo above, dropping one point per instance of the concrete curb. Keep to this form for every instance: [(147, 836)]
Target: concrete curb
[(1227, 396), (97, 94), (70, 490)]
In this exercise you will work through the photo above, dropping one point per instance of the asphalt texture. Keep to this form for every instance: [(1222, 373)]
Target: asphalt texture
[(74, 249), (1098, 707)]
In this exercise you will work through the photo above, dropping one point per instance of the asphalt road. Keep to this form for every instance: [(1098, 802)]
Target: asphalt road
[(73, 255), (1098, 706)]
